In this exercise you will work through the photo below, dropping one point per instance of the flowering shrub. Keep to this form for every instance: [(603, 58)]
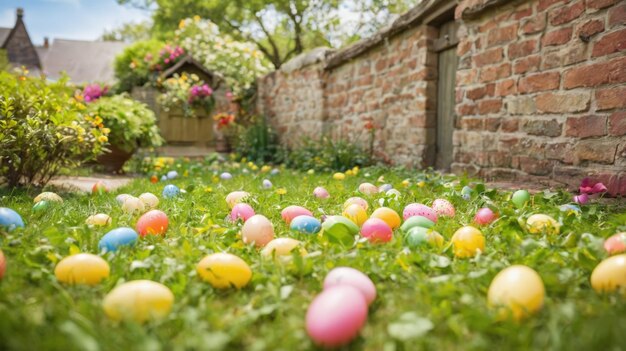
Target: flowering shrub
[(167, 57), (134, 67), (93, 92), (188, 92), (224, 120)]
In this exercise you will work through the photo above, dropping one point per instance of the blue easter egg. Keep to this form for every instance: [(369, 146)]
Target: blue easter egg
[(170, 191), (164, 178), (10, 219), (385, 188), (226, 176), (267, 184), (112, 240), (306, 224), (172, 175)]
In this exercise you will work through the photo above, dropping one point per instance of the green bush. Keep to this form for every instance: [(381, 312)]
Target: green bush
[(257, 142), (326, 154), (132, 123), (43, 128), (133, 65)]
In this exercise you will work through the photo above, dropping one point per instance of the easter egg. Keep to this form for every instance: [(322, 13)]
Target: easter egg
[(82, 268), (170, 191), (393, 194), (419, 210), (540, 223), (416, 221), (356, 200), (41, 206), (267, 184), (291, 212), (117, 238), (149, 200), (336, 316), (339, 176), (100, 220), (153, 222), (258, 230), (339, 226), (418, 236), (164, 178), (520, 198), (48, 196), (10, 219), (615, 244), (354, 278), (274, 171), (385, 188), (368, 189), (443, 208), (172, 175), (466, 192), (376, 231), (321, 193), (241, 211), (516, 291), (467, 241), (99, 188), (3, 264), (133, 205), (281, 247), (121, 198), (224, 270), (306, 224), (610, 275), (485, 216), (570, 209), (236, 197), (388, 215), (138, 300), (226, 176), (356, 214)]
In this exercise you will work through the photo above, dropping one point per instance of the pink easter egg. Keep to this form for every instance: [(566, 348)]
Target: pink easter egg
[(258, 230), (153, 222), (615, 244), (321, 193), (484, 216), (241, 211), (336, 316), (419, 210), (354, 278), (376, 231), (443, 208), (291, 212)]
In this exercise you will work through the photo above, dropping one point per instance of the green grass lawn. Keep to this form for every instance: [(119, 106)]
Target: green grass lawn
[(39, 313)]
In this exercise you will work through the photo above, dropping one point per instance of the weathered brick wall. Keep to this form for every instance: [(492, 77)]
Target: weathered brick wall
[(541, 91)]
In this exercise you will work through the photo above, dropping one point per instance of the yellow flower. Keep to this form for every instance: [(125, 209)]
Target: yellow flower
[(196, 18), (186, 173), (106, 130), (355, 170), (254, 168), (311, 171), (208, 189), (265, 169), (339, 176), (421, 184), (381, 179), (80, 139), (103, 139), (181, 24), (349, 172), (405, 183), (281, 191)]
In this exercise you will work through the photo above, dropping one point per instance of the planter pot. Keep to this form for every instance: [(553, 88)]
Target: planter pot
[(114, 161)]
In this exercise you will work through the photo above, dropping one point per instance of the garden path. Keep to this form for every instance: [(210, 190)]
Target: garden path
[(85, 183)]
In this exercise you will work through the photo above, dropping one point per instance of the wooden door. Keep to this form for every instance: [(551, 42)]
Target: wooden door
[(447, 66)]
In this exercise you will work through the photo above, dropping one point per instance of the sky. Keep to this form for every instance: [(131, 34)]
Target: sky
[(69, 19)]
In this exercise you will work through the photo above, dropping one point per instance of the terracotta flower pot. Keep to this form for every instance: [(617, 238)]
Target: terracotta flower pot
[(114, 161)]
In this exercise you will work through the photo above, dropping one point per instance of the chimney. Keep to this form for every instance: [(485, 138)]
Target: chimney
[(46, 43), (20, 13)]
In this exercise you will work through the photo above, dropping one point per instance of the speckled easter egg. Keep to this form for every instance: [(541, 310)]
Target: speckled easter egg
[(9, 219), (41, 206), (356, 214), (48, 196), (117, 238), (139, 301), (150, 200), (418, 236), (336, 316), (226, 176), (485, 216), (133, 205), (356, 200), (419, 210), (321, 193), (306, 224), (3, 264), (282, 247), (291, 212), (100, 220), (258, 230), (615, 244), (241, 211), (467, 241), (520, 198), (368, 189), (99, 188), (339, 226), (516, 291), (172, 175), (153, 222), (82, 268), (416, 221), (170, 191), (542, 224), (610, 275), (385, 188), (224, 270), (236, 197), (121, 198), (339, 176), (376, 231), (443, 208), (388, 215), (354, 278), (267, 184)]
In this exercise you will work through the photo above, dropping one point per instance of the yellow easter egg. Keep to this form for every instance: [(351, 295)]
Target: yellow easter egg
[(281, 247), (138, 300), (149, 200), (133, 205), (516, 291), (356, 214), (236, 197), (540, 223), (48, 196), (388, 215), (339, 176), (82, 268), (467, 241), (610, 275), (100, 219), (224, 270)]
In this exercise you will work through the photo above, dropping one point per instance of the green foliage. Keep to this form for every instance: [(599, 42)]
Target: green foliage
[(42, 129), (132, 66), (257, 141), (5, 65), (129, 32), (326, 154), (132, 123)]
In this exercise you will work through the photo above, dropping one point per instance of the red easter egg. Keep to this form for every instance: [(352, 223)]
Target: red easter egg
[(99, 188), (485, 216), (153, 222), (292, 212)]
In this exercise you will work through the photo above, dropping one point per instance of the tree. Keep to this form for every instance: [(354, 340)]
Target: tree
[(129, 32), (280, 29)]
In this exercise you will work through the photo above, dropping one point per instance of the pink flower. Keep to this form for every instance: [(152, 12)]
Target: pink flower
[(581, 199), (229, 95), (589, 187)]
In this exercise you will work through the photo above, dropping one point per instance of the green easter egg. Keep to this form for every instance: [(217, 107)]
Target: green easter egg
[(340, 229), (520, 198), (41, 206), (416, 221)]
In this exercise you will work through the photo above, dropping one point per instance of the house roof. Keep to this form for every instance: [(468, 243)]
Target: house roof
[(4, 34), (83, 61)]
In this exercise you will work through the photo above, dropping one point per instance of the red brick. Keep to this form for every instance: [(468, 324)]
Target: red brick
[(510, 125), (560, 103), (521, 49), (527, 64), (521, 13), (557, 37), (472, 123), (600, 4), (488, 57), (610, 98), (617, 15), (562, 15), (534, 24), (539, 82), (491, 73), (617, 124), (585, 126), (466, 109), (492, 124), (464, 47), (489, 106), (613, 71), (476, 93), (465, 77), (544, 4), (506, 87), (589, 29), (610, 43), (502, 35)]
